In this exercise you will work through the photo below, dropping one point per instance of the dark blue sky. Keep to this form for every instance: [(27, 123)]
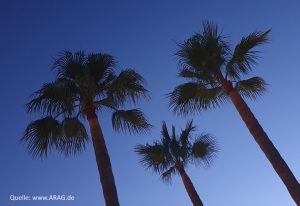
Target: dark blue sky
[(143, 35)]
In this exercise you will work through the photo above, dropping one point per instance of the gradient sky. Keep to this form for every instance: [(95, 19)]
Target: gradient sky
[(143, 35)]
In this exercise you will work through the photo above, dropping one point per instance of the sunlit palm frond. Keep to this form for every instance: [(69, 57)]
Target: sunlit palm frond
[(42, 135), (70, 65), (74, 136), (204, 149), (244, 57), (53, 98), (128, 85), (100, 65), (189, 98), (132, 121), (251, 88), (153, 157)]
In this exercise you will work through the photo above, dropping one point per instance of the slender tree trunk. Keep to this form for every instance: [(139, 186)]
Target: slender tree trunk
[(102, 158), (189, 186), (262, 139)]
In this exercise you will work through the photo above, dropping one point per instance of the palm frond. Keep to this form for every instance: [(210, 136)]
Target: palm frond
[(128, 85), (244, 57), (100, 65), (153, 157), (70, 65), (75, 136), (132, 121), (165, 135), (42, 135), (166, 176), (206, 51), (107, 102), (45, 134), (251, 88), (189, 98), (54, 98), (185, 134), (204, 150), (199, 76)]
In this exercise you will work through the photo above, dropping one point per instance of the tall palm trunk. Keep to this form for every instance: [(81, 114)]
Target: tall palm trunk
[(189, 186), (264, 142), (102, 159)]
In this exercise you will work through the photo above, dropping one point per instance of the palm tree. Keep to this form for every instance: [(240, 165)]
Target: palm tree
[(84, 85), (173, 153), (213, 72)]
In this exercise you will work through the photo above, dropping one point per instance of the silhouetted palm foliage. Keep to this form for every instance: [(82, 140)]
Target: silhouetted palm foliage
[(177, 149), (84, 85), (206, 60), (174, 152), (214, 74), (80, 78)]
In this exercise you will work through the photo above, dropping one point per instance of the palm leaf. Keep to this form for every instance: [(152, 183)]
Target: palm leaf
[(166, 176), (185, 134), (128, 85), (107, 102), (100, 65), (153, 157), (191, 97), (53, 98), (244, 57), (132, 121), (70, 65), (165, 135), (200, 76), (75, 136), (251, 88), (42, 135), (204, 149), (206, 51)]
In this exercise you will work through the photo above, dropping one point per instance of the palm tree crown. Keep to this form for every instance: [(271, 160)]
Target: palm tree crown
[(213, 72), (83, 83), (175, 151), (208, 63)]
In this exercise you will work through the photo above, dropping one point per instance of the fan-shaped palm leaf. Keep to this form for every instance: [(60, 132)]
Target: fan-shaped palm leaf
[(100, 65), (251, 88), (244, 57), (42, 135), (206, 51), (192, 97), (204, 149), (53, 98), (132, 121), (154, 156), (74, 136), (128, 85), (70, 65)]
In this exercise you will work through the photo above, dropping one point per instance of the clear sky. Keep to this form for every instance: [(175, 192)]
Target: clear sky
[(143, 35)]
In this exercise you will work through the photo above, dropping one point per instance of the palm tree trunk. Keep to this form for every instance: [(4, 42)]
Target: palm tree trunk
[(189, 186), (102, 159), (262, 139)]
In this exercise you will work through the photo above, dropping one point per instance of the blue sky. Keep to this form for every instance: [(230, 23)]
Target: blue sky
[(143, 35)]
